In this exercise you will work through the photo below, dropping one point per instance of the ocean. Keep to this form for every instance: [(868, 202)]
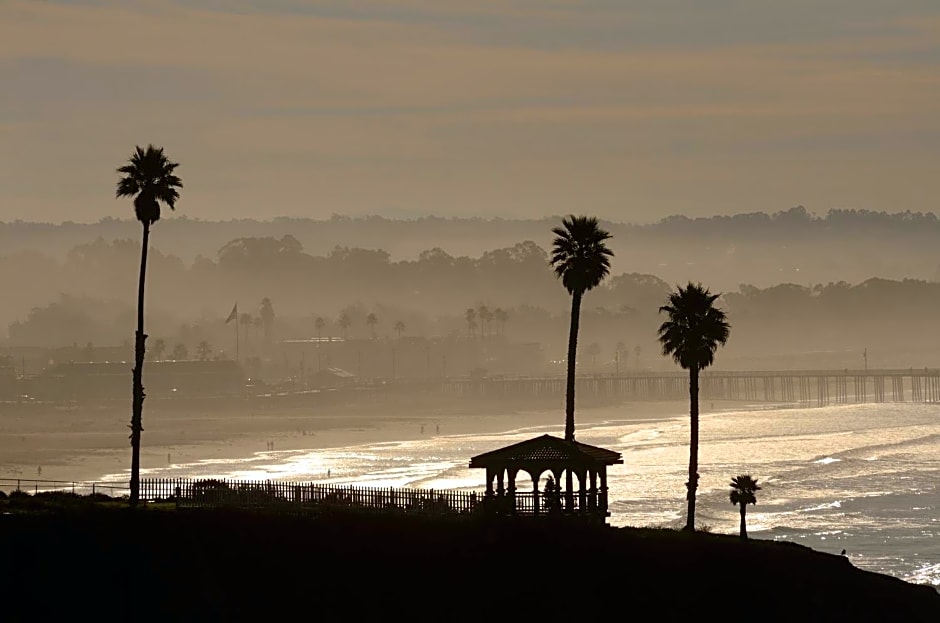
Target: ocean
[(859, 478)]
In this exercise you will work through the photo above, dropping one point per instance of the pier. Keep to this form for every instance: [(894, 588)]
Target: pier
[(803, 387)]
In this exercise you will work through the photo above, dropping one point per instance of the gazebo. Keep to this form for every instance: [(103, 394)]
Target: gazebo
[(566, 462)]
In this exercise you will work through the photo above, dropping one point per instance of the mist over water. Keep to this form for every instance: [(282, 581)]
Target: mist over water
[(861, 478)]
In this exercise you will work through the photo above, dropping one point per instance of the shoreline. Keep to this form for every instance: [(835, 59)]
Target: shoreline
[(86, 446)]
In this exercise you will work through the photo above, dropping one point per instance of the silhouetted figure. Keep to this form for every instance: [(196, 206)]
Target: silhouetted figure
[(437, 429), (422, 429), (843, 552)]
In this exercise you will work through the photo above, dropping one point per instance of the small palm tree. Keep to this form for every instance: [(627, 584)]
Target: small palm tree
[(344, 323), (318, 324), (148, 177), (399, 328), (180, 353), (581, 260), (372, 320), (743, 490), (694, 331)]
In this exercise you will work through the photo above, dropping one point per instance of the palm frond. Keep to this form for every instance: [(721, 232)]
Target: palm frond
[(695, 328), (149, 177), (580, 257), (744, 489)]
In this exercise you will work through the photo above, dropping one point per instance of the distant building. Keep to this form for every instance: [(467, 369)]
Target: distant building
[(103, 381)]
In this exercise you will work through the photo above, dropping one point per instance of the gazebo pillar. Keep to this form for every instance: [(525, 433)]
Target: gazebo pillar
[(500, 490), (489, 482), (535, 495), (582, 492), (603, 500), (569, 490), (594, 499), (512, 489)]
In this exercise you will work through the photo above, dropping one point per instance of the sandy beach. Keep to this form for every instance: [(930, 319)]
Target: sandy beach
[(83, 444)]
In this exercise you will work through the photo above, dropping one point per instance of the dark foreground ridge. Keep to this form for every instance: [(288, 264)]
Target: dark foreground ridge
[(208, 565)]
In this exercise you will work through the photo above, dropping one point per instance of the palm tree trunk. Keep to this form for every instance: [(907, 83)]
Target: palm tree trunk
[(692, 484), (572, 359), (138, 392), (743, 520)]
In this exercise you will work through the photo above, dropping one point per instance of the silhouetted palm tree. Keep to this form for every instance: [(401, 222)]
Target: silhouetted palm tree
[(148, 177), (743, 492), (372, 320), (203, 350), (245, 320), (619, 349), (158, 348), (267, 317), (318, 324), (180, 353), (581, 260), (399, 328), (471, 316), (344, 323), (500, 316), (484, 314), (594, 349), (694, 331)]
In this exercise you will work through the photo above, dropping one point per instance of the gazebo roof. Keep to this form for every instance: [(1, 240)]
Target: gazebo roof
[(546, 449)]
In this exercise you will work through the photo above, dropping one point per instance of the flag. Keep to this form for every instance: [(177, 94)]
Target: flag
[(233, 315)]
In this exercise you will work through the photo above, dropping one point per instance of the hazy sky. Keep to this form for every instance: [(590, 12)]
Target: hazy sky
[(631, 110)]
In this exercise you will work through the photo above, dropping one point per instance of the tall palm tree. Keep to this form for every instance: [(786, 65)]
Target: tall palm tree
[(743, 490), (399, 328), (318, 324), (581, 260), (694, 331), (372, 320), (149, 178)]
